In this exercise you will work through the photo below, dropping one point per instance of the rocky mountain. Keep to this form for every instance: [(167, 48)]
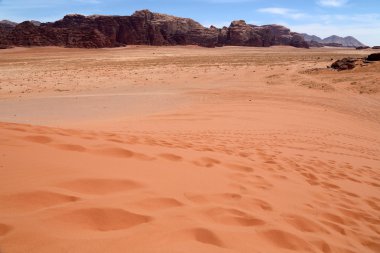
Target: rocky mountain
[(144, 28), (348, 41), (7, 22), (35, 22), (309, 38)]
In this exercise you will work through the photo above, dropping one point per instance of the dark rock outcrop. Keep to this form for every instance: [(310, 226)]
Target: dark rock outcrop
[(5, 46), (332, 45), (143, 28), (374, 57), (5, 29), (315, 44), (376, 47), (362, 48), (344, 64), (350, 63)]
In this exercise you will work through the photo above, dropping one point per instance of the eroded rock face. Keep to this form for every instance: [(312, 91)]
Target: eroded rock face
[(169, 30), (5, 30), (374, 57), (144, 28), (241, 34)]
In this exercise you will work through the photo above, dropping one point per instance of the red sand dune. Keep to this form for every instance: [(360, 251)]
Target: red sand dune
[(243, 158)]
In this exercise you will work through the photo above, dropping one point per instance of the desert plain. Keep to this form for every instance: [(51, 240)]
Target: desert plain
[(188, 149)]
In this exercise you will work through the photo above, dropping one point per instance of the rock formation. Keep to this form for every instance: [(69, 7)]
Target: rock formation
[(374, 57), (350, 63), (344, 64), (143, 28), (6, 28)]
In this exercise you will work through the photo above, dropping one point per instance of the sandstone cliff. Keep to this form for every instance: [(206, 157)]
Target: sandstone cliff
[(143, 28)]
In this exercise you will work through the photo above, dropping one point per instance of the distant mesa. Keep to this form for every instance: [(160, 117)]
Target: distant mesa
[(332, 41), (376, 47), (147, 28), (142, 28)]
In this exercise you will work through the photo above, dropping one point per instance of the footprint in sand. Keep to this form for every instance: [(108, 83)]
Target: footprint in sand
[(158, 203), (123, 153), (204, 236), (305, 225), (28, 201), (335, 227), (41, 139), (333, 218), (310, 178), (4, 229), (100, 186), (322, 246), (206, 199), (197, 198), (285, 240), (171, 157), (373, 245), (117, 152), (373, 204), (232, 217), (240, 168), (102, 219), (18, 129), (71, 147), (115, 140), (261, 204), (206, 162)]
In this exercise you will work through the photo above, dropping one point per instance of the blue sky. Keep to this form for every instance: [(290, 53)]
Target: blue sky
[(359, 18)]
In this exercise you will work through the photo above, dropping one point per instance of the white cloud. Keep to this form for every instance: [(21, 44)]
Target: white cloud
[(285, 12), (332, 3)]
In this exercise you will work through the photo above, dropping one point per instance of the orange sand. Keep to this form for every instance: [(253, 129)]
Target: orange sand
[(187, 149)]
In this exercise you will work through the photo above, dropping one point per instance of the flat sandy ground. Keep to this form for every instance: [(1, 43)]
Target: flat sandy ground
[(187, 149)]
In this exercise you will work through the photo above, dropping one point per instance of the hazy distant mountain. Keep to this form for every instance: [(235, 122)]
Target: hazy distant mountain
[(13, 24), (7, 22), (36, 23), (309, 38), (348, 41)]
